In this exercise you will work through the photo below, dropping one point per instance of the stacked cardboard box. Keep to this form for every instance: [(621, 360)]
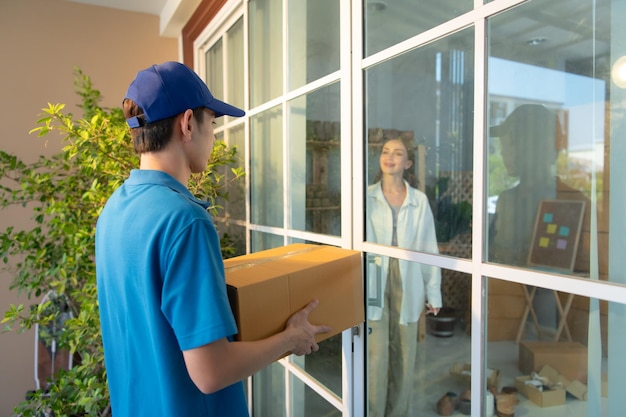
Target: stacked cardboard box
[(568, 358)]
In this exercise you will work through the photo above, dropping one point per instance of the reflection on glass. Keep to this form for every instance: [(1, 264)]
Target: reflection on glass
[(325, 364), (530, 139), (389, 22), (270, 395), (547, 155), (234, 61), (424, 97), (548, 150), (261, 241), (231, 211), (547, 119), (307, 403), (315, 165), (313, 51), (568, 361), (231, 198), (233, 237), (266, 170), (411, 363), (214, 74), (265, 46), (268, 385)]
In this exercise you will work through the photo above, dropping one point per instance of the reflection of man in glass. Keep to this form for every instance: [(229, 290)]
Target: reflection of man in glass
[(530, 139), (528, 146), (398, 215)]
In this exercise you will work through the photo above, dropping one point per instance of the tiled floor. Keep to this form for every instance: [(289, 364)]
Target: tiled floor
[(433, 379)]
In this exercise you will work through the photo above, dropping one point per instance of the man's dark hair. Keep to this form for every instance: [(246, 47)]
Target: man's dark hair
[(152, 137)]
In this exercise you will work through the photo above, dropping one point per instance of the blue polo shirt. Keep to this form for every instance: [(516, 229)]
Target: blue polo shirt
[(161, 290)]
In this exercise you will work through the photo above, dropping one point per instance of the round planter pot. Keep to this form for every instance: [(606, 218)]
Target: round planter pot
[(442, 325)]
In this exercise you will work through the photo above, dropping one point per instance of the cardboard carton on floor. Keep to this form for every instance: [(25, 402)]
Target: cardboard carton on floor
[(545, 398), (568, 358), (265, 288), (574, 387), (463, 373)]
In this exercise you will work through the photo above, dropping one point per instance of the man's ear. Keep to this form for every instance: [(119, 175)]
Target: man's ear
[(184, 125)]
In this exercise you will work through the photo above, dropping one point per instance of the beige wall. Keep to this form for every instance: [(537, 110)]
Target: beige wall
[(40, 43)]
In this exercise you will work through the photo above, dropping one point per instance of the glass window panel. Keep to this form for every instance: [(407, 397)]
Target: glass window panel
[(390, 22), (411, 353), (234, 61), (307, 403), (268, 385), (261, 241), (548, 93), (266, 168), (233, 237), (325, 364), (232, 203), (419, 128), (214, 75), (266, 57), (313, 53), (568, 333), (315, 161)]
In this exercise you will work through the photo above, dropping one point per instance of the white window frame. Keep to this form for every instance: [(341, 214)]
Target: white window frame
[(353, 64)]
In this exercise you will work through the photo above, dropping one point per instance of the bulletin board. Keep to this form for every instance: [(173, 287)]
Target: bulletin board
[(556, 235)]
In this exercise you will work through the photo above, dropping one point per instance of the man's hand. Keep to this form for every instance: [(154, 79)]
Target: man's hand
[(302, 332)]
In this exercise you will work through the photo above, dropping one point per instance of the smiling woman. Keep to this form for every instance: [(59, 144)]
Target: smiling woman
[(398, 214)]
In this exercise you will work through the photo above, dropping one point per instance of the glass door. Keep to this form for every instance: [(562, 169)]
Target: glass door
[(290, 144)]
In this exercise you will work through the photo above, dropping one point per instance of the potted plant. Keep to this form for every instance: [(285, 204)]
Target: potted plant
[(66, 193)]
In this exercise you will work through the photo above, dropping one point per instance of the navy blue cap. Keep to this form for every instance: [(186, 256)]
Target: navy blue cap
[(525, 117), (168, 89)]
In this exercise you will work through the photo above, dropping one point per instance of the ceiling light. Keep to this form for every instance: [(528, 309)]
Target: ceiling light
[(376, 6), (536, 41), (618, 72)]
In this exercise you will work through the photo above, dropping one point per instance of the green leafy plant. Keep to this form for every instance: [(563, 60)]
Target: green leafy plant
[(66, 193)]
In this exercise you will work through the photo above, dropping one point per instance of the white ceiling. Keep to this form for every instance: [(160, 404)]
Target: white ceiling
[(173, 14), (144, 6)]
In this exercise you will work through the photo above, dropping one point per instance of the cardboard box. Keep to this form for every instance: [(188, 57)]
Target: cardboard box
[(568, 358), (265, 288), (545, 398), (574, 387), (463, 374)]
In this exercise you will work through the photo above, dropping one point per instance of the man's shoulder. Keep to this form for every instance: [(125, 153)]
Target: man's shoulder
[(567, 192)]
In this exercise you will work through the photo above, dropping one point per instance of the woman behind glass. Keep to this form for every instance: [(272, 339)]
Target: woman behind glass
[(398, 214)]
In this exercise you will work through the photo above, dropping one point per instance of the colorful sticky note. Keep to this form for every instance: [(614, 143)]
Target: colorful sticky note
[(564, 231), (561, 244), (547, 217), (544, 242), (551, 229)]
